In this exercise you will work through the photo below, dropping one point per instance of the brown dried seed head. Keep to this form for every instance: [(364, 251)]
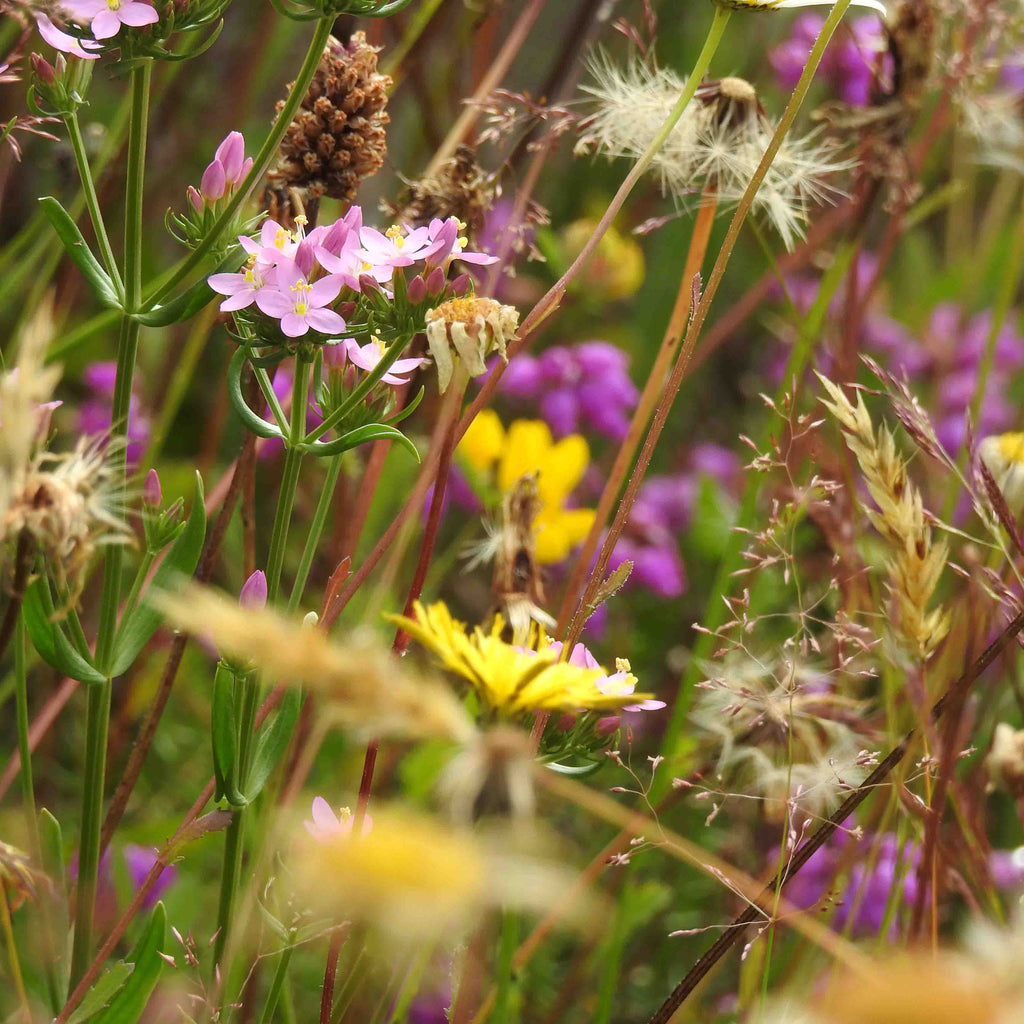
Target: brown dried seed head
[(337, 138)]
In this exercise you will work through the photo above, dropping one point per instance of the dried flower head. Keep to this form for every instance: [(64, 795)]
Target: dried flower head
[(474, 328), (415, 877), (337, 139), (460, 188), (916, 563), (368, 690), (511, 680), (716, 144), (1004, 764), (17, 874), (491, 776)]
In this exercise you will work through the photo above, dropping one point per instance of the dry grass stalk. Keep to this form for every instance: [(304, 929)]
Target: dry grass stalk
[(916, 562)]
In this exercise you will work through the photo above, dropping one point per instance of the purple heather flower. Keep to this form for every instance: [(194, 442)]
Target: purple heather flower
[(656, 567), (254, 591), (140, 861), (95, 411), (106, 17)]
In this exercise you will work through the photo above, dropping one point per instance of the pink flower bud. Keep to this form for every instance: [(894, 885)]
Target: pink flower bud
[(214, 181), (435, 281), (460, 285), (336, 356), (567, 722), (151, 491), (43, 69), (417, 290), (367, 284), (606, 726), (231, 153), (194, 198), (254, 591)]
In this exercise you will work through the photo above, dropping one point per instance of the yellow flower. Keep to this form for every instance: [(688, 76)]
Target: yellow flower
[(1003, 454), (616, 269), (527, 447), (510, 680)]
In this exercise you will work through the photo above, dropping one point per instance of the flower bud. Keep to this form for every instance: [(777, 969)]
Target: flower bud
[(43, 69), (566, 723), (214, 181), (368, 285), (254, 591), (335, 356), (231, 155), (151, 491), (606, 726), (194, 198), (435, 282), (417, 290), (461, 285)]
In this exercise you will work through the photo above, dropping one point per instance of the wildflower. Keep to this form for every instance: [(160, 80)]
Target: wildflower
[(615, 271), (326, 825), (151, 490), (365, 688), (368, 356), (528, 448), (718, 142), (474, 328), (448, 243), (140, 860), (416, 878), (227, 169), (300, 305), (459, 189), (95, 411), (509, 680), (337, 138), (621, 682), (588, 382), (242, 288), (105, 17), (254, 591), (382, 252), (1004, 456)]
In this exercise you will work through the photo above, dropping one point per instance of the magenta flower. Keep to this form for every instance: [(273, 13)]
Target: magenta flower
[(254, 591), (300, 305), (140, 860), (368, 356), (106, 17), (326, 825), (63, 41)]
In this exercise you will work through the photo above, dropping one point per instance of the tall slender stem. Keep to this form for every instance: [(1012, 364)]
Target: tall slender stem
[(28, 795), (98, 704), (316, 530)]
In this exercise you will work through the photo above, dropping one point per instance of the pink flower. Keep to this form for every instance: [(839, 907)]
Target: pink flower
[(447, 243), (228, 167), (298, 304), (381, 253), (326, 825), (619, 683), (275, 243), (368, 356), (63, 41), (107, 16), (241, 288)]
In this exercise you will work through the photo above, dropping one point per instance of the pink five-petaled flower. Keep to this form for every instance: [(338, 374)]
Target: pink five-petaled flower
[(298, 304), (106, 17), (619, 683), (275, 243), (241, 288), (381, 253), (326, 825), (64, 41), (368, 356), (446, 243)]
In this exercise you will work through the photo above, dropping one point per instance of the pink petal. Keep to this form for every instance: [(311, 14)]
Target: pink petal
[(323, 816), (227, 284), (274, 303), (363, 359), (136, 14), (326, 321), (479, 258), (325, 290), (293, 325), (237, 301), (106, 24)]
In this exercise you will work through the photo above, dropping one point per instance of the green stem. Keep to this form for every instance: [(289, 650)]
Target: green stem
[(98, 705), (278, 983), (137, 584), (28, 795), (228, 885), (260, 163), (316, 530), (504, 1004), (91, 199)]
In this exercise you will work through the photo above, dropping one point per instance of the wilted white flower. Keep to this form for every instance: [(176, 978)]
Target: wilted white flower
[(474, 328), (717, 144)]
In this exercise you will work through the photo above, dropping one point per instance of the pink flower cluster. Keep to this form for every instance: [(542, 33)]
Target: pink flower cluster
[(295, 277), (103, 17)]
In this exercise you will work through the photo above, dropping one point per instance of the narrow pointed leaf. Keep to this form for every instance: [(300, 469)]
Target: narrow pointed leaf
[(48, 638), (78, 249)]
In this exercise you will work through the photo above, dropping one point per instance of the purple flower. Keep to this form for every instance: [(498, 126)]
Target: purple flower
[(94, 412), (254, 591), (107, 16), (140, 861), (656, 567), (300, 305)]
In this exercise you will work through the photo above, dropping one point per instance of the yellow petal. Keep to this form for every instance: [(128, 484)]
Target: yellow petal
[(482, 443), (527, 450), (559, 531), (563, 468)]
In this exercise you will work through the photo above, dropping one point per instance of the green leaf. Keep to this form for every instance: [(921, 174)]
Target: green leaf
[(362, 435), (80, 253), (259, 426), (100, 995), (272, 743), (51, 851), (224, 734), (128, 1004), (181, 560), (49, 639), (191, 300)]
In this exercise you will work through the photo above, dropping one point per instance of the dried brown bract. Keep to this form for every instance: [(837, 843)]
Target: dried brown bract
[(337, 139)]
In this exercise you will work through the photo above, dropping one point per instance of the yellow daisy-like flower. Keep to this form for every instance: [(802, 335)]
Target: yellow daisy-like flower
[(511, 680), (528, 447), (1003, 454)]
